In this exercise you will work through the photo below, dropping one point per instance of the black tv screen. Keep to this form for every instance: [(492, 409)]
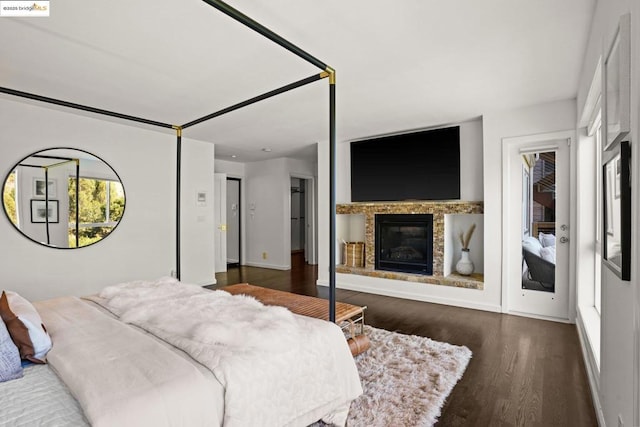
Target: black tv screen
[(413, 166)]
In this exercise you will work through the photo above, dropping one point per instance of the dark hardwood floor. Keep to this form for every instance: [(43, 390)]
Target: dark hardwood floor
[(524, 372)]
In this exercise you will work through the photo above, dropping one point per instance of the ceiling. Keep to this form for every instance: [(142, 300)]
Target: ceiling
[(417, 64)]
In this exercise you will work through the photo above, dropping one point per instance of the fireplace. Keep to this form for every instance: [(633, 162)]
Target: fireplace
[(404, 243)]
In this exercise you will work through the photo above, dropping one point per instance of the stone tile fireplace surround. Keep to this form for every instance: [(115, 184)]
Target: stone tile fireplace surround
[(438, 209)]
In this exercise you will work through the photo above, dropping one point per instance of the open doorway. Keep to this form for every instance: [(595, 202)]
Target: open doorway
[(234, 232), (303, 218), (298, 223)]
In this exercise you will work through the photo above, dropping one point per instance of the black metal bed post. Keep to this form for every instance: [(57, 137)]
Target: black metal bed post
[(332, 194), (178, 184), (326, 72), (46, 202), (77, 203)]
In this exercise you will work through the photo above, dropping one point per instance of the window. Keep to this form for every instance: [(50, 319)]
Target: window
[(101, 205), (595, 130), (9, 198)]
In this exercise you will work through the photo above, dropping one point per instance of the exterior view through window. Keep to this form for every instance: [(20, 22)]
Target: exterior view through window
[(101, 207), (539, 220)]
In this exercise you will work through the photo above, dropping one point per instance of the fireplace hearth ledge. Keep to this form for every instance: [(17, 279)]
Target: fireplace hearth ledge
[(475, 281)]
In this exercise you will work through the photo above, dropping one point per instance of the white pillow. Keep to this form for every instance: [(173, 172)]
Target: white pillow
[(548, 254), (532, 245), (28, 315), (547, 239)]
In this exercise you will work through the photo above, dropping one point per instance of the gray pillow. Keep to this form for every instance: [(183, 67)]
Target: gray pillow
[(10, 364)]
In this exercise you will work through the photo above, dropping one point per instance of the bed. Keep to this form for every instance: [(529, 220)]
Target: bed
[(165, 353)]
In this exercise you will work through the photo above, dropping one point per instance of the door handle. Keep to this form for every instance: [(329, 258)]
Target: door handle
[(564, 239)]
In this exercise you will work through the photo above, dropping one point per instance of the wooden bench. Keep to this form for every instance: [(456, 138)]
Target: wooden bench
[(349, 317)]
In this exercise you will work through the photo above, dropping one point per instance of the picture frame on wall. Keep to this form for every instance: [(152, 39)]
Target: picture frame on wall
[(39, 188), (616, 216), (40, 212), (617, 86)]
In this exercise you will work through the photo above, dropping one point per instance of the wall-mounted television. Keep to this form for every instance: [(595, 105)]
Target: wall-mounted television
[(412, 166)]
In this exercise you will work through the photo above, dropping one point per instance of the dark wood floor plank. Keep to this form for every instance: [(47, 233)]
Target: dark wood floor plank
[(524, 372)]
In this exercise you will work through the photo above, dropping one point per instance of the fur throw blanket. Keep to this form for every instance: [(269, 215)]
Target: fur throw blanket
[(293, 369), (193, 317)]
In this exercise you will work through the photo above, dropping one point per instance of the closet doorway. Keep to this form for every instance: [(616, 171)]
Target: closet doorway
[(234, 213), (302, 220)]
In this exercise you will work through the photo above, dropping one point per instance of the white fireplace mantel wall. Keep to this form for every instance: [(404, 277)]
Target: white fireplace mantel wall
[(471, 188)]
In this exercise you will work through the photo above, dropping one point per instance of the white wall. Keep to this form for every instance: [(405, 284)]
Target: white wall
[(619, 391), (197, 222), (471, 189), (141, 247), (232, 169)]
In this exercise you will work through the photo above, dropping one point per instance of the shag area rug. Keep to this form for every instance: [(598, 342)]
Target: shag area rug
[(406, 379)]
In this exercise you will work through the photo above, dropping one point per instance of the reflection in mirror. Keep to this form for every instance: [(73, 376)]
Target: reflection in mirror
[(616, 191), (43, 200), (538, 221), (613, 226)]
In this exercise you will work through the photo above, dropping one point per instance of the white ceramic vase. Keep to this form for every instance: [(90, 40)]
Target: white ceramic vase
[(465, 265)]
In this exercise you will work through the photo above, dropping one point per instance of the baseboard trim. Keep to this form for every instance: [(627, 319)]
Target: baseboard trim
[(538, 316), (590, 365), (413, 296), (265, 265)]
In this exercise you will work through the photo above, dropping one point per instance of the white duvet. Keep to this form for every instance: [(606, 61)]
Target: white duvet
[(122, 377), (277, 368)]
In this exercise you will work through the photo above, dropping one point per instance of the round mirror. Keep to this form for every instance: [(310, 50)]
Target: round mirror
[(43, 200)]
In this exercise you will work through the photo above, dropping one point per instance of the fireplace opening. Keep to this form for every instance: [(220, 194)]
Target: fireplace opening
[(404, 243)]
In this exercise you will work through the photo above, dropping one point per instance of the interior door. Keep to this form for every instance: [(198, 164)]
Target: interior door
[(220, 200), (550, 301)]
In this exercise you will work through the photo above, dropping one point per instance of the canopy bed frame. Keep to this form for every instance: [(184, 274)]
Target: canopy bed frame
[(326, 72), (57, 161)]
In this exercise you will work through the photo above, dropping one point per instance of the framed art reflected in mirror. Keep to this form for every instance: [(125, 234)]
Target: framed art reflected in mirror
[(43, 211), (616, 191)]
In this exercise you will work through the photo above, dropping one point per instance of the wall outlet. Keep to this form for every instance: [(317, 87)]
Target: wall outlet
[(264, 255)]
